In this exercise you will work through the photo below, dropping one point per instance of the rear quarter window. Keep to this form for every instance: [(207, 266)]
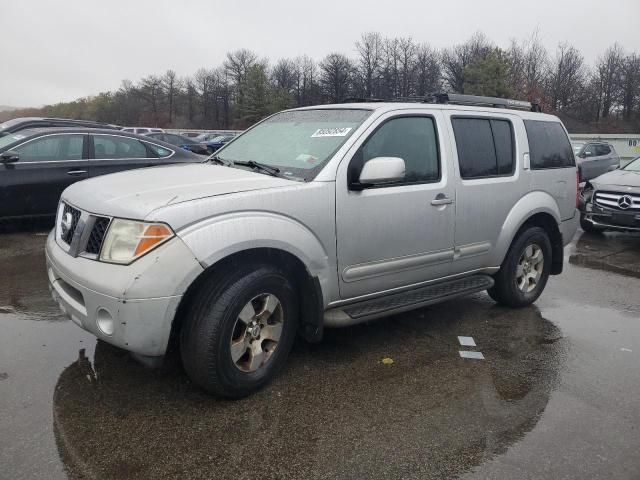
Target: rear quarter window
[(485, 147), (549, 146)]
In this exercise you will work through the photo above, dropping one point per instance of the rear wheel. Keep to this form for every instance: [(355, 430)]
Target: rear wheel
[(525, 270), (240, 330), (587, 226)]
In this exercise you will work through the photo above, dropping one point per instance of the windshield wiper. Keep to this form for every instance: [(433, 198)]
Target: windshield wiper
[(268, 169), (218, 160)]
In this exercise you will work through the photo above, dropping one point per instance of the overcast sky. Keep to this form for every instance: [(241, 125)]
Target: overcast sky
[(60, 50)]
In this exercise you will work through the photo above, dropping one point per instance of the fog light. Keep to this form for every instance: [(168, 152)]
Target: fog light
[(104, 320)]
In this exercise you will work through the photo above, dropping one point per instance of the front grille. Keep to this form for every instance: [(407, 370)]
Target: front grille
[(68, 223), (99, 230), (615, 199)]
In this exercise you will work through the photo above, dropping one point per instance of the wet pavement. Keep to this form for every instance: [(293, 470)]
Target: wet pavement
[(556, 397)]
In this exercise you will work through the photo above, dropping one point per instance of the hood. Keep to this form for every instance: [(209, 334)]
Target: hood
[(136, 193), (623, 178)]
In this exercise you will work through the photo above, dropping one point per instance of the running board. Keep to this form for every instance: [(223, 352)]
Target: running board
[(409, 300)]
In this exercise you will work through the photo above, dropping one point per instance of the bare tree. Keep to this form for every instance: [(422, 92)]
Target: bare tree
[(369, 62), (307, 88), (428, 72), (151, 91), (608, 71), (172, 87), (336, 72), (237, 65), (566, 77), (284, 75), (630, 84), (455, 60), (407, 49)]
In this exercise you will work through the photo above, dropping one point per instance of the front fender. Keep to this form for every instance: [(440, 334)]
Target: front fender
[(221, 236), (529, 205)]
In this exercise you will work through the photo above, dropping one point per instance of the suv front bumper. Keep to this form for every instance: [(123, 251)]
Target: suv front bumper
[(129, 306)]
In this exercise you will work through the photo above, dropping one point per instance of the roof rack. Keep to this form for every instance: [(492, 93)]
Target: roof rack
[(362, 100), (457, 99), (478, 101)]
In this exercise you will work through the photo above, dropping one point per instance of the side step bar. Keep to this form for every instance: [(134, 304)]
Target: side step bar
[(409, 300)]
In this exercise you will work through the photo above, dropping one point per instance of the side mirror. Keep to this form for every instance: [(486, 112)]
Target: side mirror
[(381, 170), (586, 154), (9, 157)]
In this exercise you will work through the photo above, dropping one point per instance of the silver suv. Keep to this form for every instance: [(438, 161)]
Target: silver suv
[(317, 217)]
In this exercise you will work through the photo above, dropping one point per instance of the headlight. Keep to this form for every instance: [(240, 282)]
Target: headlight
[(127, 240)]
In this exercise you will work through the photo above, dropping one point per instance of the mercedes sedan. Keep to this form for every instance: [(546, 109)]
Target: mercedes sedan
[(612, 201)]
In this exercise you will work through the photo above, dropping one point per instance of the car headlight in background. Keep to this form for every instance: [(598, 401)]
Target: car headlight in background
[(127, 240)]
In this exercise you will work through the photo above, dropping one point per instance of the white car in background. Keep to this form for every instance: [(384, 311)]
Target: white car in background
[(142, 130)]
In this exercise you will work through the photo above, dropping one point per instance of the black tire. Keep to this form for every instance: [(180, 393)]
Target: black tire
[(209, 326), (587, 226), (505, 290)]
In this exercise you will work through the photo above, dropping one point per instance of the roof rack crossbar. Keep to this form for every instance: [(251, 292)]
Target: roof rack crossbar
[(480, 101)]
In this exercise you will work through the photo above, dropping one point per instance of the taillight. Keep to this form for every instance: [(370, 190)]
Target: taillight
[(577, 189)]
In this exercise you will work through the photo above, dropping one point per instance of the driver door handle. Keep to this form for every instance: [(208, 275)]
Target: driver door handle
[(441, 199), (75, 173)]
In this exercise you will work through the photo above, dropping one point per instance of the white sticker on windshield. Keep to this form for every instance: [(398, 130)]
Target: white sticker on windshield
[(331, 132), (18, 137)]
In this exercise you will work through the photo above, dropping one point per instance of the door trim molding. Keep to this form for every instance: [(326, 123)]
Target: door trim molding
[(395, 265)]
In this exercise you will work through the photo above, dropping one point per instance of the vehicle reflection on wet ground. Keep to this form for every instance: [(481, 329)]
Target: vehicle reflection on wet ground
[(613, 251), (555, 397)]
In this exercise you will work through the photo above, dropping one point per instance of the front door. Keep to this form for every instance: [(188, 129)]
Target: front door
[(398, 234), (46, 166)]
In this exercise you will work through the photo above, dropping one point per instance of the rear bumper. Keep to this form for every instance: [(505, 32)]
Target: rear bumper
[(106, 299), (569, 227)]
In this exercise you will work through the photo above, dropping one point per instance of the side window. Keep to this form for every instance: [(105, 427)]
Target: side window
[(549, 145), (52, 148), (113, 147), (413, 139), (603, 150), (485, 147), (158, 151)]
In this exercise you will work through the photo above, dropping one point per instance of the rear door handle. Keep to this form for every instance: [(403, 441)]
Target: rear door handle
[(75, 173), (441, 200)]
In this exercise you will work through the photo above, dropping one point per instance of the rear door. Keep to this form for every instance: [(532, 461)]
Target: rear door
[(47, 165), (490, 181), (552, 163), (110, 153)]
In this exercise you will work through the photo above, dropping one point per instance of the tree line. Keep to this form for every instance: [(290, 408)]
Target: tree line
[(246, 88)]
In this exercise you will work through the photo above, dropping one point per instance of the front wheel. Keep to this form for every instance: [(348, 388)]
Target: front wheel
[(240, 330), (525, 270)]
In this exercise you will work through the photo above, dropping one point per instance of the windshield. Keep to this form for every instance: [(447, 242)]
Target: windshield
[(297, 142), (633, 165)]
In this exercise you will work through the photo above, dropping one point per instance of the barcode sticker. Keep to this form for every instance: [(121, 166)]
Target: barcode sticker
[(331, 132)]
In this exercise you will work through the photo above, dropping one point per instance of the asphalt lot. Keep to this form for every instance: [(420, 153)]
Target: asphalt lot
[(555, 397)]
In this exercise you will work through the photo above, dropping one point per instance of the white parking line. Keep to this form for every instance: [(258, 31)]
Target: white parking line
[(474, 355), (467, 341)]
